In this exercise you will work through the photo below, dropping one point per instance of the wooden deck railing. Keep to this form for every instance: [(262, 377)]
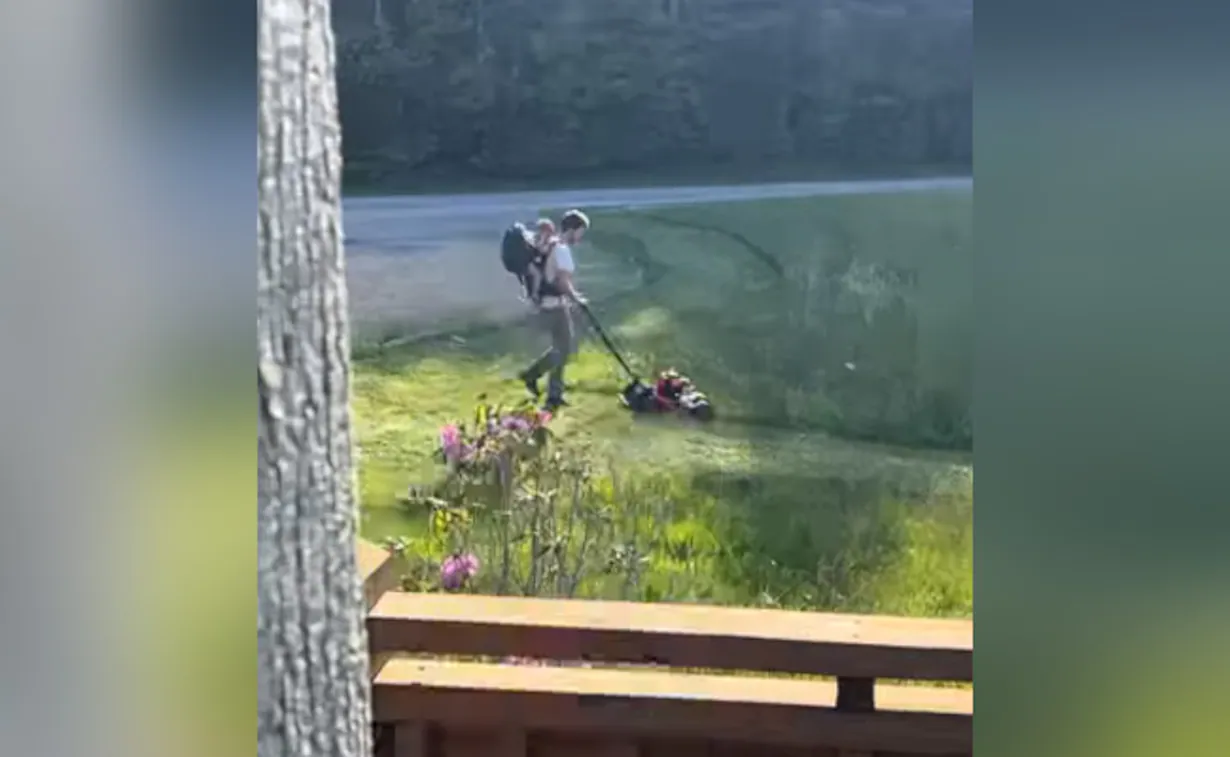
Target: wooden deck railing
[(625, 678)]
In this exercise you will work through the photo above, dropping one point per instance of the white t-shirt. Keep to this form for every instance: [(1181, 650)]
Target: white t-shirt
[(559, 260)]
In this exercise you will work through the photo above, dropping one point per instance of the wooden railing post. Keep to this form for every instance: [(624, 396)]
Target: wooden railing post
[(856, 694), (381, 573), (410, 740), (512, 743)]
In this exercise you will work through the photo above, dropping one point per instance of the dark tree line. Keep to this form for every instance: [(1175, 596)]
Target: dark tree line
[(532, 88)]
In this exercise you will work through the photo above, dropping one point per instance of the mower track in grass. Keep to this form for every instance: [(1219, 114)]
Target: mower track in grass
[(766, 257), (615, 265), (686, 287)]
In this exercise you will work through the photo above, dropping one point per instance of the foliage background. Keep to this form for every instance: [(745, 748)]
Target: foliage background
[(519, 90)]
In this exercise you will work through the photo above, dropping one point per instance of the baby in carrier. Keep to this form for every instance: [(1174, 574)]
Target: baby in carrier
[(543, 240)]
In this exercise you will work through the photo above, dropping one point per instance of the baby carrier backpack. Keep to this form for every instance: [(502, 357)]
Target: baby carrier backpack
[(525, 261)]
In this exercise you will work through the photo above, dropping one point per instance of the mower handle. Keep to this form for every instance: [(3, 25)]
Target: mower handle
[(607, 340)]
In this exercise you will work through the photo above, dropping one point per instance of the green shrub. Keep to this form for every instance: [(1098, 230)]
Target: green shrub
[(519, 511)]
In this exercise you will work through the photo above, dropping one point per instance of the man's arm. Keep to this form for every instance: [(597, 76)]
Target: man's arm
[(564, 269), (564, 281)]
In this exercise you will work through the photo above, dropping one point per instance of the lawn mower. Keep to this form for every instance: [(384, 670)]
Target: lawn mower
[(671, 392)]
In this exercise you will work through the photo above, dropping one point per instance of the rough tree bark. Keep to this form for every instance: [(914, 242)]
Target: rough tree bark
[(313, 696)]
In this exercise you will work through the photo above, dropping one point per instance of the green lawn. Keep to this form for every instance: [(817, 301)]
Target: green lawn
[(813, 324)]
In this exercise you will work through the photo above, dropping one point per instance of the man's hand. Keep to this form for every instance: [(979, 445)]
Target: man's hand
[(579, 298)]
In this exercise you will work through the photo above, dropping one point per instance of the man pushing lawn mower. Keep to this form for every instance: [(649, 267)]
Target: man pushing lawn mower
[(544, 265)]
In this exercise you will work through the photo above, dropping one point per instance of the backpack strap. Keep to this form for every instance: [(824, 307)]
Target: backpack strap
[(546, 287)]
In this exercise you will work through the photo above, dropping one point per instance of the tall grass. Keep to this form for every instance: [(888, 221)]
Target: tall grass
[(566, 521)]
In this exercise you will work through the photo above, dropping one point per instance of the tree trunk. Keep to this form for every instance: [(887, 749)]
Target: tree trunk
[(312, 671)]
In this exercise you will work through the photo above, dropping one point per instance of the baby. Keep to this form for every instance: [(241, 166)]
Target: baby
[(544, 235), (543, 240)]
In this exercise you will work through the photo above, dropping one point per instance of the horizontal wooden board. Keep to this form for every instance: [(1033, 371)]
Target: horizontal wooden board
[(913, 719), (689, 636)]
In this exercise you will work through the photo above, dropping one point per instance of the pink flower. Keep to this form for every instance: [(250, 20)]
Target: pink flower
[(449, 435), (451, 445), (457, 569), (544, 417)]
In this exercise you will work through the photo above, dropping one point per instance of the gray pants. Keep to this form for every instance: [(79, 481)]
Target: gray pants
[(558, 323)]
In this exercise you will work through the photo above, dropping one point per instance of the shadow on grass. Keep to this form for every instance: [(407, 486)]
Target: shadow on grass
[(865, 335), (627, 248), (519, 342), (837, 543), (803, 539)]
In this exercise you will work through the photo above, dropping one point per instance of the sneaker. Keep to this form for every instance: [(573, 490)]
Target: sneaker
[(553, 404)]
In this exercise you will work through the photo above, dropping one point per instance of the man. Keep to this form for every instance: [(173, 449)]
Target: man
[(556, 293)]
